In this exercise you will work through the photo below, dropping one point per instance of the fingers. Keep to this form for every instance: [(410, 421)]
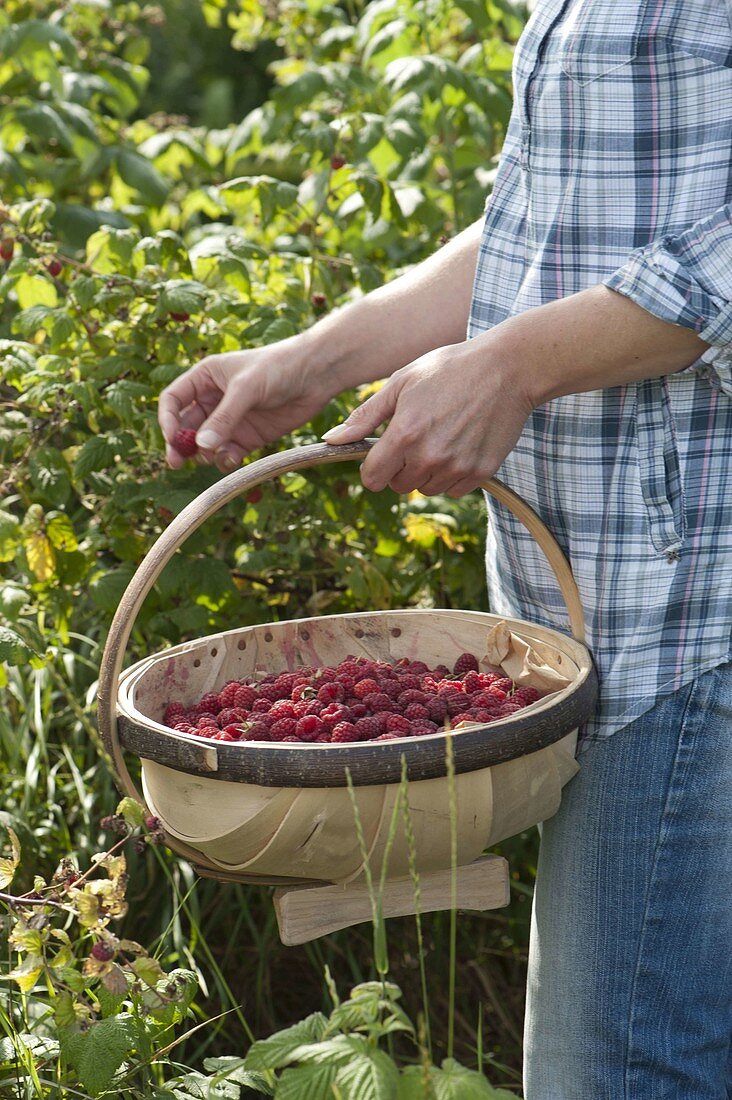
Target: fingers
[(218, 430), (175, 398), (366, 418)]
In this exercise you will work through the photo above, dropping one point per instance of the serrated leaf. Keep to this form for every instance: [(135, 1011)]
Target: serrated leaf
[(9, 535), (27, 973), (142, 176), (106, 1045), (229, 1068), (97, 453), (277, 1050), (61, 534), (306, 1083), (371, 1076), (131, 810)]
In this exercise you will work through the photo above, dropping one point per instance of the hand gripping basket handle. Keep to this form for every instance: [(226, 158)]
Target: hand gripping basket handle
[(209, 502)]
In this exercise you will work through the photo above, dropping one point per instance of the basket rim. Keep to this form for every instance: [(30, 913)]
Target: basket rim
[(280, 764)]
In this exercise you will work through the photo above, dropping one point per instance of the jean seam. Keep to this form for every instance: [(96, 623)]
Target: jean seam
[(662, 833)]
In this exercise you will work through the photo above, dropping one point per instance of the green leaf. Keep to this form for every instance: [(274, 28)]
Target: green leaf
[(35, 290), (8, 866), (106, 1045), (60, 532), (312, 1082), (182, 296), (142, 176), (97, 453), (371, 1076), (228, 1068), (9, 535), (277, 1050)]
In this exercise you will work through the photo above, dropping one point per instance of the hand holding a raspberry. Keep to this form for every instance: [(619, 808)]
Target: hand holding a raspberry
[(237, 402)]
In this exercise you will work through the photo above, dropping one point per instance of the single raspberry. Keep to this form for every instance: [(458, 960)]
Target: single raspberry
[(102, 952), (184, 442), (230, 715), (284, 727), (337, 161), (418, 668), (54, 267), (472, 681), (436, 707), (369, 728), (421, 728), (504, 683), (346, 731), (415, 711), (397, 723), (466, 662), (309, 728), (377, 700), (306, 706), (245, 696), (152, 823), (184, 727), (283, 708), (293, 738), (359, 710), (365, 687), (207, 723), (386, 737), (7, 248), (497, 693), (350, 668), (173, 713), (210, 703), (525, 695), (508, 708), (407, 697), (440, 672), (261, 706), (464, 718), (318, 300), (483, 715), (227, 694), (331, 693), (409, 682), (176, 316), (391, 687), (333, 714), (256, 731), (271, 691), (231, 733), (447, 686), (253, 496), (485, 699), (302, 690)]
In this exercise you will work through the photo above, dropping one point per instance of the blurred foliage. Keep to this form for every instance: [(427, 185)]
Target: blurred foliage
[(131, 244)]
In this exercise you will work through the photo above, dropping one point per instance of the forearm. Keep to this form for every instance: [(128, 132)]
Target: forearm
[(425, 308), (591, 340)]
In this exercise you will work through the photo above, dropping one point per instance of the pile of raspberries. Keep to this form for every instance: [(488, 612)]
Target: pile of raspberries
[(358, 700)]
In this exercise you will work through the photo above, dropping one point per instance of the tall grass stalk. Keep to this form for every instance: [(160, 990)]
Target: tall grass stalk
[(414, 874)]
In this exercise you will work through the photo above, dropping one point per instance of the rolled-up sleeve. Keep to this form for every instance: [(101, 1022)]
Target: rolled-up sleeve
[(686, 279)]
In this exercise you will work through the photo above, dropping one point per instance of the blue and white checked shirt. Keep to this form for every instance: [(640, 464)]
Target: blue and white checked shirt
[(616, 169)]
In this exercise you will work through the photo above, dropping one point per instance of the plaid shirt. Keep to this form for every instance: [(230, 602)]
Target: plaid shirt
[(615, 170)]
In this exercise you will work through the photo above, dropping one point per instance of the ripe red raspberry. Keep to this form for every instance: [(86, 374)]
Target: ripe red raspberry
[(231, 733), (465, 716), (369, 728), (407, 697), (391, 687), (365, 687), (497, 693), (270, 691), (282, 728), (503, 683), (346, 731), (508, 708), (302, 690), (306, 706), (472, 681), (256, 731), (418, 668), (184, 727), (333, 714), (397, 723), (253, 496), (230, 715), (175, 316), (227, 694), (466, 662), (350, 668), (485, 699), (244, 697), (173, 713), (309, 728), (377, 700), (421, 728), (385, 737), (184, 442), (436, 707), (359, 710), (207, 720), (331, 693), (102, 952), (416, 711), (439, 672), (261, 706), (283, 708), (54, 267), (525, 695), (445, 687), (209, 703), (7, 248), (409, 682), (483, 715), (337, 161)]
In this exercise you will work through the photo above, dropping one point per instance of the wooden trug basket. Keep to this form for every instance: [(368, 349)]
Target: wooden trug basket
[(282, 813)]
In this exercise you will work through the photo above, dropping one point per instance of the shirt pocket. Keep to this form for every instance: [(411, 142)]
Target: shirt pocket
[(659, 467), (598, 38)]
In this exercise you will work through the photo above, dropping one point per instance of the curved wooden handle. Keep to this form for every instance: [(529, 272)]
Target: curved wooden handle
[(233, 485)]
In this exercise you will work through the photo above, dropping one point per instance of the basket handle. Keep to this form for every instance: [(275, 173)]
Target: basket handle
[(225, 490)]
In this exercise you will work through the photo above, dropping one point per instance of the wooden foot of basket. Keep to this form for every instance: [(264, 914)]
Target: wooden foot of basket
[(306, 912)]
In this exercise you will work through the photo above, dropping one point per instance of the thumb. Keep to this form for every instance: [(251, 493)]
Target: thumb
[(364, 419), (221, 425)]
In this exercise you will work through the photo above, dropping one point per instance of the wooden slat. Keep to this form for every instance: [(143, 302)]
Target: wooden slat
[(305, 913)]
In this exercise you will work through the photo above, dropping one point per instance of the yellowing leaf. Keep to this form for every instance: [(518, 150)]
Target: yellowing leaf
[(425, 529), (41, 556), (9, 866), (35, 290), (27, 973)]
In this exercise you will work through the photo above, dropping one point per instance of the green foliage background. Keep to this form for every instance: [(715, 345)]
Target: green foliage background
[(177, 160)]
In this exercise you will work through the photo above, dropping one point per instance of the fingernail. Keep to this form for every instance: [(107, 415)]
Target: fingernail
[(208, 439), (229, 462), (338, 430)]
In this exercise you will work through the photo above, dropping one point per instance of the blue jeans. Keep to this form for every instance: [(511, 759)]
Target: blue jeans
[(630, 984)]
